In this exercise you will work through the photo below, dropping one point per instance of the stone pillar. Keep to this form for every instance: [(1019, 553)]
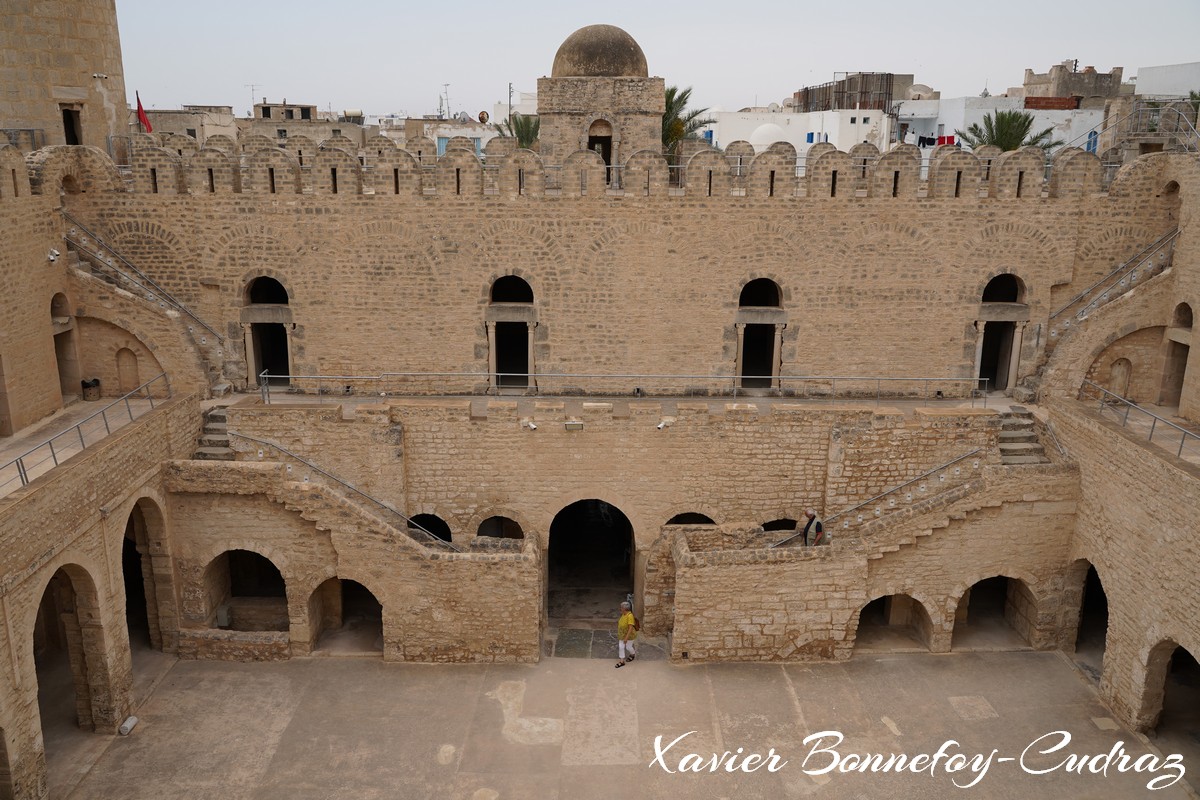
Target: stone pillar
[(529, 329), (737, 362), (776, 353), (1014, 359), (287, 335), (981, 327), (251, 364), (491, 342)]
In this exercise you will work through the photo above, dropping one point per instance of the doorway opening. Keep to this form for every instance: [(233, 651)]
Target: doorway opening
[(128, 375), (1092, 635), (994, 614), (893, 623), (590, 564), (72, 125), (1173, 373), (1178, 726), (758, 356), (512, 354), (345, 618), (600, 140), (996, 355), (270, 342)]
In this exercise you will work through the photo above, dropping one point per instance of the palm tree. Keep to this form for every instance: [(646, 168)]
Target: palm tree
[(523, 127), (678, 121), (1008, 130)]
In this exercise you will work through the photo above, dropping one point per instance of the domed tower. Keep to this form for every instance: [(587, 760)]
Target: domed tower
[(599, 96)]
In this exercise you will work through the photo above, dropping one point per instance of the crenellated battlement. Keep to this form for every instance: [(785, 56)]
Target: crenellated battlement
[(258, 165)]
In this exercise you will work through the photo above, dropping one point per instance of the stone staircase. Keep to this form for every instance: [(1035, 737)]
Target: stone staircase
[(213, 444), (1018, 438)]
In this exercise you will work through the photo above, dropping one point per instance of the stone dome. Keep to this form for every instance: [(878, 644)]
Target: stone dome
[(599, 51)]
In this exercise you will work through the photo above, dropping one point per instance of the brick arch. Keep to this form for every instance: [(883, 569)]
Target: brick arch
[(959, 589), (895, 235), (476, 519), (1007, 232), (105, 702), (1154, 658), (278, 559), (636, 515), (89, 168), (691, 508), (122, 234), (934, 611), (492, 239), (621, 232)]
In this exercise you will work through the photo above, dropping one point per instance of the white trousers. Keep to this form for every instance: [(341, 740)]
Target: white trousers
[(621, 645)]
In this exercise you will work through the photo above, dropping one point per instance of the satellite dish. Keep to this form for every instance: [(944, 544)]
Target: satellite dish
[(463, 117)]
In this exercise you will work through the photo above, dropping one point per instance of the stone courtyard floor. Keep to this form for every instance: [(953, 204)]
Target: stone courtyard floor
[(576, 728)]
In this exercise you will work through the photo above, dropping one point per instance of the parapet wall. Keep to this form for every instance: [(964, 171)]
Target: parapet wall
[(456, 458)]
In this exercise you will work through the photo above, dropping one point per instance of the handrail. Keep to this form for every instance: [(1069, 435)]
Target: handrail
[(409, 524), (882, 495), (1185, 434), (533, 380), (23, 468), (163, 292), (1148, 250)]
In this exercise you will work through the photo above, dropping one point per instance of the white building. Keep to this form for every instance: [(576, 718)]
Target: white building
[(1170, 80), (842, 128), (927, 123), (524, 103)]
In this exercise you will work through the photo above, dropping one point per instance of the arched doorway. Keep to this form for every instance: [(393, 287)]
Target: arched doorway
[(345, 618), (141, 591), (994, 614), (691, 518), (1119, 373), (590, 564), (1177, 729), (128, 375), (1178, 346), (1092, 636), (248, 592), (75, 694), (1002, 316), (266, 318), (66, 355), (511, 321), (600, 140), (760, 325), (892, 623)]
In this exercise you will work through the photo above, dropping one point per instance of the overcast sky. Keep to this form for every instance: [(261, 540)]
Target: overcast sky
[(394, 57)]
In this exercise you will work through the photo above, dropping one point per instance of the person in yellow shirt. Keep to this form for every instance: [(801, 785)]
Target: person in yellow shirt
[(627, 631)]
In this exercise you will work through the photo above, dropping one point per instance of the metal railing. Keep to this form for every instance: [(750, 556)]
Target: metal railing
[(145, 282), (1126, 274), (25, 139), (1122, 410), (408, 525), (80, 436), (818, 387), (892, 502)]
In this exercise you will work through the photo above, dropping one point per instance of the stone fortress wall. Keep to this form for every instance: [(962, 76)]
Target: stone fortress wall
[(389, 266)]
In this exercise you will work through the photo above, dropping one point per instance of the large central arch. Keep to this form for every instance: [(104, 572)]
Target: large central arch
[(590, 562)]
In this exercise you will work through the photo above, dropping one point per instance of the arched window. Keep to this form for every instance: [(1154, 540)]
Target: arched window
[(431, 523), (266, 290), (780, 525), (501, 528), (511, 289), (1006, 288), (1182, 318), (690, 518), (761, 293)]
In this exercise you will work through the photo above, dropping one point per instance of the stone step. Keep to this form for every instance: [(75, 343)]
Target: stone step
[(222, 390), (1016, 424), (1019, 411), (1018, 436), (1008, 460), (213, 454), (216, 428), (218, 414), (1020, 448), (208, 440)]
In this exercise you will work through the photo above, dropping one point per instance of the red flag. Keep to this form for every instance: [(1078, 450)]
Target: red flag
[(143, 120)]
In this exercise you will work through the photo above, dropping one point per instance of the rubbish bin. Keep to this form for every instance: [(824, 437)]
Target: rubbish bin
[(91, 389)]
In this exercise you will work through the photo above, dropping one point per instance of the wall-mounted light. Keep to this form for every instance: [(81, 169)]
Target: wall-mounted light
[(573, 425), (53, 255), (528, 423)]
